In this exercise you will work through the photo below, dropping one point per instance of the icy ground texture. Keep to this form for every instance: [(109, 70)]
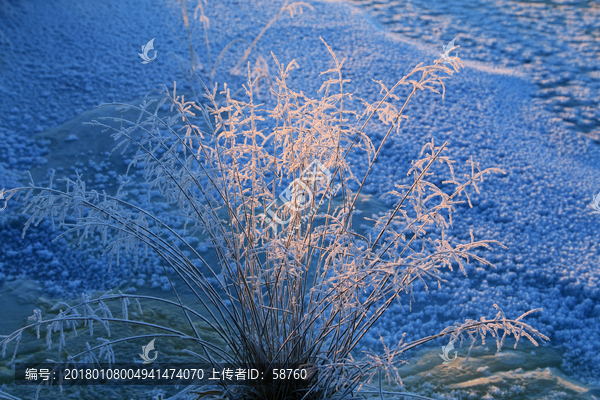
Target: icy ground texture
[(59, 60), (555, 43), (556, 46), (66, 56)]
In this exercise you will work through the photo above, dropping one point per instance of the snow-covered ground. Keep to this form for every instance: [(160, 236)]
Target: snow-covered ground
[(61, 58), (555, 44)]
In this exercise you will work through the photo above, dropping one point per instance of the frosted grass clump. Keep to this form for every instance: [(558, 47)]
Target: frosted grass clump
[(301, 295)]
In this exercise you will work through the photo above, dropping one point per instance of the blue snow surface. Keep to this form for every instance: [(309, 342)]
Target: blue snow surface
[(63, 57)]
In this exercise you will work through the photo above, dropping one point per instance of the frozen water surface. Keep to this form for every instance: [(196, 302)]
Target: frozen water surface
[(556, 44), (527, 102)]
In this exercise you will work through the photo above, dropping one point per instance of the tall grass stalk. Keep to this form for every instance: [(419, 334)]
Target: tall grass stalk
[(294, 9), (298, 294)]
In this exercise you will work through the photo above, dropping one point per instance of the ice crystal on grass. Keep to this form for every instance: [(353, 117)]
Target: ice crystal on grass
[(302, 295)]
